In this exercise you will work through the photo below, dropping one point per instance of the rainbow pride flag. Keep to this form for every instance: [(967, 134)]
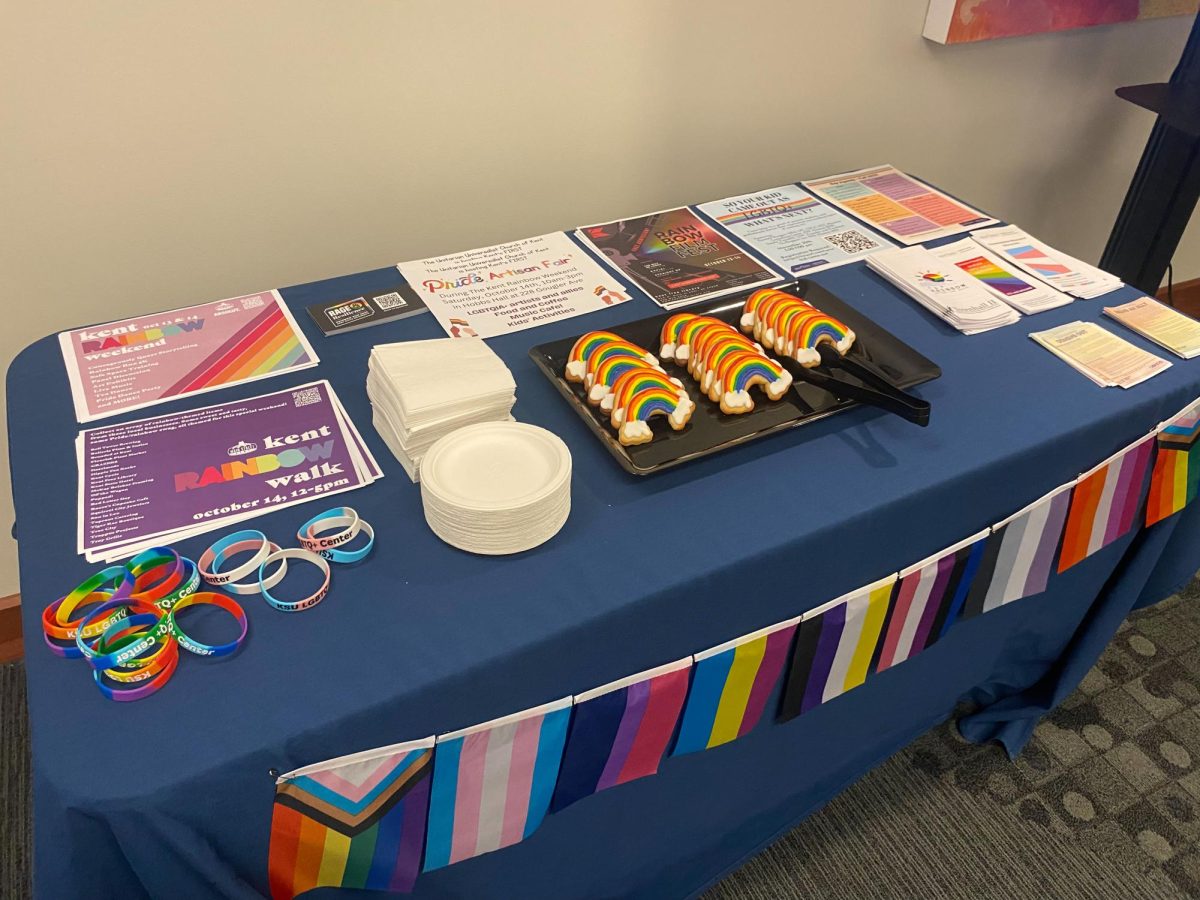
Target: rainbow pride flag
[(1104, 503), (620, 731), (928, 600), (356, 822), (836, 645), (492, 783), (731, 684), (1019, 554), (1175, 480)]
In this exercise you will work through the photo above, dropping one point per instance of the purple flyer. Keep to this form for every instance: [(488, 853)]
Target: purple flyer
[(161, 479)]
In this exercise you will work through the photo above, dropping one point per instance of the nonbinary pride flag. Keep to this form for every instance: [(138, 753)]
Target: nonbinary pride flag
[(1176, 477), (492, 783), (1104, 503), (928, 600), (834, 649), (356, 821), (730, 687), (620, 731), (1019, 554)]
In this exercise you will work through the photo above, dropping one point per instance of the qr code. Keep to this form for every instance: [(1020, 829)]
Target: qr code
[(390, 301), (852, 241), (306, 396)]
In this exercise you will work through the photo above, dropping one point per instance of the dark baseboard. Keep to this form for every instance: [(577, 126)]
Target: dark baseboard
[(10, 628), (1186, 296)]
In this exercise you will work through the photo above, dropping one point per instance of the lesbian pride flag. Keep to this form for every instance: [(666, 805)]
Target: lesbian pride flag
[(731, 685), (356, 822), (1104, 503), (492, 783), (1175, 480), (1020, 554), (836, 645), (621, 731), (928, 599)]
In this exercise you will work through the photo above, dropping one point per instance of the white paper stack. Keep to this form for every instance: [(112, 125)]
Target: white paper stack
[(1055, 268), (421, 391), (1022, 292), (943, 289), (1099, 354)]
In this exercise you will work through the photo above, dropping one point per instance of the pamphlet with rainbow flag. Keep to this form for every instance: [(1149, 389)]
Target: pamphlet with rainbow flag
[(137, 362)]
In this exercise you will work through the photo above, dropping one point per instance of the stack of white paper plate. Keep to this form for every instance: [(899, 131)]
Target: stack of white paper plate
[(497, 487)]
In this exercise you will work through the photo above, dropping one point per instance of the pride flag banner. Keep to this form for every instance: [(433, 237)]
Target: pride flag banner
[(492, 783), (357, 821), (731, 684), (1175, 480), (620, 731), (1104, 503), (834, 650), (928, 600), (1019, 554)]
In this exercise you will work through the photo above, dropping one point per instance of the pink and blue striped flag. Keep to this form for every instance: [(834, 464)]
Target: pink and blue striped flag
[(928, 600), (621, 731), (731, 684), (492, 783)]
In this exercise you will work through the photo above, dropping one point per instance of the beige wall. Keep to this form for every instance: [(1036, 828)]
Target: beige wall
[(155, 153)]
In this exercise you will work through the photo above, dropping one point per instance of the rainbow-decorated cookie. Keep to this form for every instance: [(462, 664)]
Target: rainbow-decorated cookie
[(669, 339), (794, 327), (738, 372), (587, 345), (614, 350), (716, 349), (639, 395)]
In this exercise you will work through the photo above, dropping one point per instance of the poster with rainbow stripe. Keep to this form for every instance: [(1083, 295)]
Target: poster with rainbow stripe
[(138, 362)]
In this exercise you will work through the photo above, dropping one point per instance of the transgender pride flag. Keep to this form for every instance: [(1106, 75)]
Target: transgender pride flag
[(621, 731), (1104, 503), (492, 783)]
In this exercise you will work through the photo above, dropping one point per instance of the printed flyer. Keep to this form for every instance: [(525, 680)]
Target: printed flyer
[(156, 481), (137, 362), (897, 204), (509, 287), (676, 257), (794, 230)]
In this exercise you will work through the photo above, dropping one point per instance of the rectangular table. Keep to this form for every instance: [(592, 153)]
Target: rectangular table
[(172, 796)]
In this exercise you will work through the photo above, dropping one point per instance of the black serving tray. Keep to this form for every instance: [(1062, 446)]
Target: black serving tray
[(710, 430)]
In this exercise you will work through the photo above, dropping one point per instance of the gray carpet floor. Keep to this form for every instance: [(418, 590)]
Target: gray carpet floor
[(1104, 803)]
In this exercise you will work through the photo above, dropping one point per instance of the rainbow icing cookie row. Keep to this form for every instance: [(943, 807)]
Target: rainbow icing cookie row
[(793, 327), (628, 382), (724, 363)]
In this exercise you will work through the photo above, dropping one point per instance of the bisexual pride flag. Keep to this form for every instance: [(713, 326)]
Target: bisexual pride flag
[(1104, 503), (836, 645), (1175, 480), (492, 783), (1019, 555), (356, 822), (621, 731), (731, 684), (928, 600)]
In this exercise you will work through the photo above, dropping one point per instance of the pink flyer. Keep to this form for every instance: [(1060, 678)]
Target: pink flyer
[(137, 362)]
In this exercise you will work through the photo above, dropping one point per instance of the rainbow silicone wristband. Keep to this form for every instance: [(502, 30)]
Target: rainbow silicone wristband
[(126, 633), (331, 518), (251, 586), (119, 577), (211, 559), (51, 631), (348, 556), (151, 686), (156, 572), (210, 599), (302, 554), (99, 660)]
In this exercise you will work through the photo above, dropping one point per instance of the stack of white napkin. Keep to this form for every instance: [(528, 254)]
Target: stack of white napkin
[(422, 390), (943, 289)]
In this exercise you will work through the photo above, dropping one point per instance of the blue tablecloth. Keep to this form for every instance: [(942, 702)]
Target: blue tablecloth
[(171, 797)]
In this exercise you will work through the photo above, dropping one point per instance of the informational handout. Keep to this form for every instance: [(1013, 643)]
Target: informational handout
[(897, 204), (1099, 354), (508, 287), (137, 362), (1160, 323), (676, 257), (1055, 268), (1001, 279), (794, 230)]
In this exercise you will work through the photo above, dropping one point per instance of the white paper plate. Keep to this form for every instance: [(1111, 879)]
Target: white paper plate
[(496, 466)]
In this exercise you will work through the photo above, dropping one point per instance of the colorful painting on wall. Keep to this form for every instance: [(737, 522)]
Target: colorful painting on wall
[(963, 21)]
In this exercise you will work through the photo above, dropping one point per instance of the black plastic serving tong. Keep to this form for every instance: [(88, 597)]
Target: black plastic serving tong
[(874, 390)]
